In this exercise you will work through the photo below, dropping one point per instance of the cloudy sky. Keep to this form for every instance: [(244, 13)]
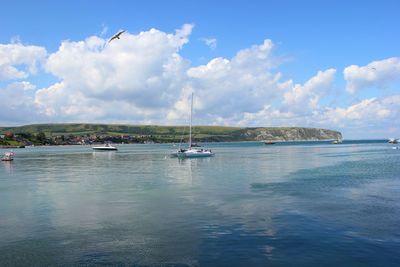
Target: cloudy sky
[(330, 64)]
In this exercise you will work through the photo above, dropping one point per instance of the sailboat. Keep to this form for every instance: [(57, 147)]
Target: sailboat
[(193, 151)]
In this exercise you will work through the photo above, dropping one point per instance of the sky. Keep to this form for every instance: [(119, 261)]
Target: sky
[(325, 64)]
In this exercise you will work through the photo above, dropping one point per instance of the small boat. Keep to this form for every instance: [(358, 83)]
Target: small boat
[(106, 147), (8, 156), (393, 141), (337, 141), (194, 150), (269, 143)]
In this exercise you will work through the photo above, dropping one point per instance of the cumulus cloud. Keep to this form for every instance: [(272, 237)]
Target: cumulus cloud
[(377, 73), (298, 104), (307, 96), (364, 118), (54, 103), (17, 102), (225, 88), (18, 61), (366, 112), (143, 72), (257, 58), (269, 116), (142, 78), (210, 42), (371, 117)]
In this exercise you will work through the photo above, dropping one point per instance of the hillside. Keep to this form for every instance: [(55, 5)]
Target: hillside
[(174, 133)]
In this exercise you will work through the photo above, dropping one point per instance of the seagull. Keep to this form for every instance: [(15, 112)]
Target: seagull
[(116, 36)]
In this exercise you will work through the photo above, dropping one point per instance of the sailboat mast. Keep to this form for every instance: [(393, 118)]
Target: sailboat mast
[(190, 128)]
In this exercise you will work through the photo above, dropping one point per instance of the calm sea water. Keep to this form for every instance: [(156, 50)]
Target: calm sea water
[(292, 204)]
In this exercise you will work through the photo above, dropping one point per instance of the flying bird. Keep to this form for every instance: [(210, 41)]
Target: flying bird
[(116, 36)]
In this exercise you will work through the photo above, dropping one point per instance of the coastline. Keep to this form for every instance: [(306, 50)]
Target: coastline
[(278, 142)]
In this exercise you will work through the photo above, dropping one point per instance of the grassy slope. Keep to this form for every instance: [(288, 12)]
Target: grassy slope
[(77, 129), (210, 133)]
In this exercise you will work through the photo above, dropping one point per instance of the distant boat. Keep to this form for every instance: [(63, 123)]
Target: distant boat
[(337, 141), (393, 141), (269, 143), (8, 156), (106, 147), (194, 150)]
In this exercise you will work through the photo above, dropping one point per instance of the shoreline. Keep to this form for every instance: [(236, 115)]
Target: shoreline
[(215, 142)]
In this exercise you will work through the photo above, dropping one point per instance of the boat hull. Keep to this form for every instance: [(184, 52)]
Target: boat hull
[(193, 155), (105, 148)]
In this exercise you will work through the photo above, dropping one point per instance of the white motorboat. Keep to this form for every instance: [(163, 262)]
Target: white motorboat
[(106, 147), (337, 141), (8, 156), (193, 151), (393, 141)]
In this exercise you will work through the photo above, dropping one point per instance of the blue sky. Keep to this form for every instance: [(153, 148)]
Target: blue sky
[(307, 37)]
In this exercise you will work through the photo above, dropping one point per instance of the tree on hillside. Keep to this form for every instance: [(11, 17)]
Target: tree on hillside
[(41, 137)]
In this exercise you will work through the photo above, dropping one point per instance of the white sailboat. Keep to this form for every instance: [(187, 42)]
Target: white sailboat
[(193, 151)]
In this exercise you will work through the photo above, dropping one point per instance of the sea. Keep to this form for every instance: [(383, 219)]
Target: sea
[(287, 204)]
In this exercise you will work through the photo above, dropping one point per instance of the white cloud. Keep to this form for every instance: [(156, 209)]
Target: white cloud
[(17, 102), (297, 104), (18, 61), (210, 42), (366, 118), (226, 88), (54, 103), (142, 72), (145, 74), (142, 78), (269, 116), (257, 58), (304, 97), (377, 73), (369, 112)]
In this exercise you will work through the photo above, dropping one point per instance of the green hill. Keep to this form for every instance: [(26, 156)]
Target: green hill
[(173, 133)]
